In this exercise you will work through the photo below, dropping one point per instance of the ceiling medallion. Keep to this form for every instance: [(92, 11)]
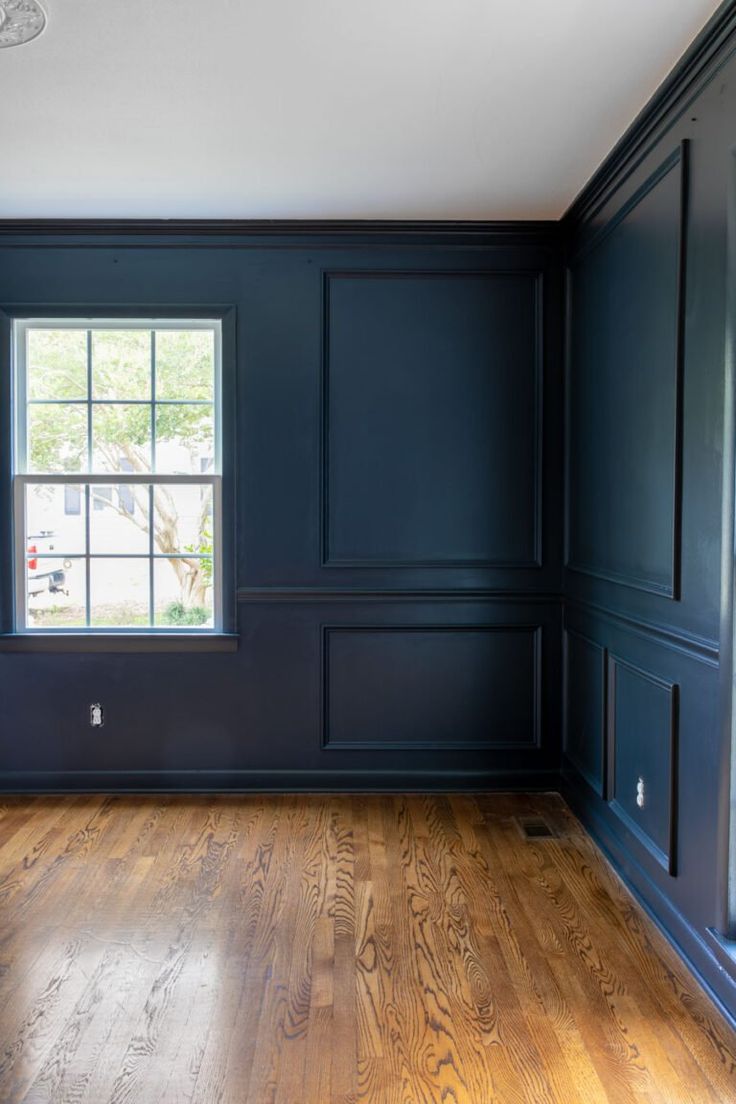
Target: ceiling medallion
[(20, 21)]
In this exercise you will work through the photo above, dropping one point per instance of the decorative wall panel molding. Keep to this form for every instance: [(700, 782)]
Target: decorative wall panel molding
[(456, 595), (705, 650), (431, 419), (447, 687), (624, 462), (643, 720), (585, 707), (677, 93)]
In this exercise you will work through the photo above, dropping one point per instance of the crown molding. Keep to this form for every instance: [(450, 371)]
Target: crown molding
[(452, 231), (697, 66)]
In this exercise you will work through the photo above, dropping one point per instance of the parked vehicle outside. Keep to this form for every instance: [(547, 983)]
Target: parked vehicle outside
[(45, 574)]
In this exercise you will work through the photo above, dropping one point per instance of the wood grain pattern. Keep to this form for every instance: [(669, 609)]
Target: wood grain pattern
[(334, 949)]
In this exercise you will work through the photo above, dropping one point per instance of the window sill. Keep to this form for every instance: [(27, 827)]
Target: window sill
[(118, 642)]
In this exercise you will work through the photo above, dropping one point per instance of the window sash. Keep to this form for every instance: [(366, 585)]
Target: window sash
[(103, 479), (22, 403), (22, 477)]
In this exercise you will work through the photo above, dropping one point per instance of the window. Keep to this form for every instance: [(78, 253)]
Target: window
[(117, 475), (72, 500)]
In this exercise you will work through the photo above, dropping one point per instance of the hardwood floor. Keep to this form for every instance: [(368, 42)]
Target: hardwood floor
[(334, 949)]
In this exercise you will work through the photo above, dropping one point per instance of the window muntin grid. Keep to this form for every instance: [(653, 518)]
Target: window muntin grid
[(88, 483)]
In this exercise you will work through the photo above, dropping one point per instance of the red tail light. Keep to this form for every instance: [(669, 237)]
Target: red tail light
[(32, 564)]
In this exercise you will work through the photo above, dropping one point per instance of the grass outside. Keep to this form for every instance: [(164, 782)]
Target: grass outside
[(128, 615)]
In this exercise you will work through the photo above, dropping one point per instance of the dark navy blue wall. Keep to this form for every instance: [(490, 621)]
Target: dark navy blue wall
[(647, 317), (395, 461)]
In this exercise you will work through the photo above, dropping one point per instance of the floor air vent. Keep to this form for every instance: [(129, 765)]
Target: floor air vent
[(533, 828)]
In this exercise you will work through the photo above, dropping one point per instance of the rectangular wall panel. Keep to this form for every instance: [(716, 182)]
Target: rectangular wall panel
[(584, 707), (431, 419), (438, 686), (625, 388), (642, 722)]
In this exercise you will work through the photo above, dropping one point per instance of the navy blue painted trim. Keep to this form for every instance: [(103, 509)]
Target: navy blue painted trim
[(626, 208), (94, 308), (680, 331), (6, 486), (276, 781), (566, 413), (678, 640), (692, 946), (229, 447), (663, 590), (287, 231), (726, 837), (349, 594), (97, 642), (540, 374)]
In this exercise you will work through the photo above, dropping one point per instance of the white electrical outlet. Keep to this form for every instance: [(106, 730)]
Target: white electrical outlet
[(96, 716), (640, 792)]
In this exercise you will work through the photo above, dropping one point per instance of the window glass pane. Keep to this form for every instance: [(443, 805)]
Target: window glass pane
[(57, 364), (121, 364), (56, 590), (57, 437), (121, 437), (118, 522), (101, 497), (182, 593), (185, 436), (185, 364), (118, 591), (183, 519), (55, 518)]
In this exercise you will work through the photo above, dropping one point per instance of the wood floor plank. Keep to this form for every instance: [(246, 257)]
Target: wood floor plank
[(312, 949), (594, 986)]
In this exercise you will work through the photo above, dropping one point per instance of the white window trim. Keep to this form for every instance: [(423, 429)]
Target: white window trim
[(21, 477)]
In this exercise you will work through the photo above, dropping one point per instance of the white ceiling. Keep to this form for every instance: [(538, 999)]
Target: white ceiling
[(326, 108)]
